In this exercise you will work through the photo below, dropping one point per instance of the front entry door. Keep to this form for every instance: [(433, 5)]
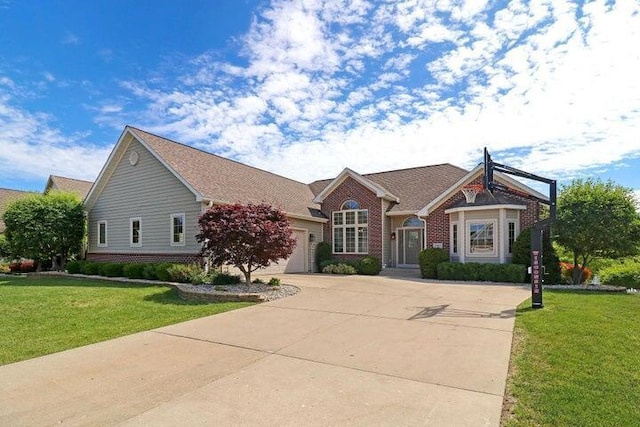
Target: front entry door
[(409, 246)]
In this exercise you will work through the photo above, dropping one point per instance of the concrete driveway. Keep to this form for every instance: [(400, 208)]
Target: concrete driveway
[(345, 351)]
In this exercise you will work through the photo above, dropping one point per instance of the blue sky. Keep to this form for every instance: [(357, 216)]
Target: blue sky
[(306, 88)]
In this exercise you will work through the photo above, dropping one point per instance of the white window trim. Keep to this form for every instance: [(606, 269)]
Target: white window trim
[(343, 227), (451, 242), (184, 234), (131, 244), (106, 234), (467, 238)]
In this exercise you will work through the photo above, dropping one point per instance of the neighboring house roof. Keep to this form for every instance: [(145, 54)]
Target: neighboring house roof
[(220, 180), (414, 187), (70, 185), (7, 197)]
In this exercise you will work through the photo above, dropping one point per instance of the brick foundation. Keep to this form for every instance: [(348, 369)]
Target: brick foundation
[(144, 258)]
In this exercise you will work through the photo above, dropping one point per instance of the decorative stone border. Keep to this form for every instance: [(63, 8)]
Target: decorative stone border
[(199, 293)]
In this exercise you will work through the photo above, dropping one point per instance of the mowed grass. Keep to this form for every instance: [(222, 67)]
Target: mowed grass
[(576, 362), (45, 315)]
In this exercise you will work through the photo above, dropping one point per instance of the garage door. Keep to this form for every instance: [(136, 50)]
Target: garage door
[(295, 263)]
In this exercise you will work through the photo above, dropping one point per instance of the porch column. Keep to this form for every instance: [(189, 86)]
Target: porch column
[(462, 232), (503, 232)]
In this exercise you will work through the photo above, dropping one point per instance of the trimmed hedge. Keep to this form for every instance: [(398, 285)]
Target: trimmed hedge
[(482, 272), (369, 266), (340, 268), (323, 254), (429, 260), (133, 270), (226, 279), (626, 275), (111, 269)]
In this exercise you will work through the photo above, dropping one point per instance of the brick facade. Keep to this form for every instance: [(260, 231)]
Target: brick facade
[(143, 258), (350, 189)]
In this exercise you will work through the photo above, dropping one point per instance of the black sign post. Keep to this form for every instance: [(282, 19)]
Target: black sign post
[(537, 270), (537, 278)]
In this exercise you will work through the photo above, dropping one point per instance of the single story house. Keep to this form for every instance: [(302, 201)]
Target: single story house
[(146, 200)]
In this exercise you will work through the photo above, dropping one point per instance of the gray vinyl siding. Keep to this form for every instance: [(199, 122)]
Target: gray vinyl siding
[(147, 190), (314, 228)]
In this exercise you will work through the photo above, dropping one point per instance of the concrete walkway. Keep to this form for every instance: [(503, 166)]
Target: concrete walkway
[(346, 350)]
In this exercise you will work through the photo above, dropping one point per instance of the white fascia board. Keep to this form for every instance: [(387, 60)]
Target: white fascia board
[(401, 213), (107, 168), (484, 208)]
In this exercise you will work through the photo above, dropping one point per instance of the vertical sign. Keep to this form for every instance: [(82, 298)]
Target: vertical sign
[(536, 269)]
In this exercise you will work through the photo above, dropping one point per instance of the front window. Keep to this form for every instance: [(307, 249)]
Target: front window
[(350, 229), (177, 230), (512, 235), (102, 234), (135, 228), (454, 238), (481, 238)]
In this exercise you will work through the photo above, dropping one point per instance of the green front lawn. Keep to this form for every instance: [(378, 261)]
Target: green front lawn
[(576, 362), (44, 315)]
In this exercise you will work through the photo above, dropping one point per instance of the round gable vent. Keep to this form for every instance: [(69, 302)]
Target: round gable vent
[(133, 158)]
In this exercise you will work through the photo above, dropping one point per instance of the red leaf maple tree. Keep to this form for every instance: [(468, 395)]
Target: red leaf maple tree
[(248, 237)]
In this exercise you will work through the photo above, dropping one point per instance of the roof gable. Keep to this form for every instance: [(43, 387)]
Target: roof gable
[(377, 189), (413, 188), (468, 178), (216, 179)]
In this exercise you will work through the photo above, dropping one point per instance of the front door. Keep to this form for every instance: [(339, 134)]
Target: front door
[(409, 246)]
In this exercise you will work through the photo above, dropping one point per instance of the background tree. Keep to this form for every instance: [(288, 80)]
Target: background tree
[(597, 219), (248, 237), (45, 227), (522, 255)]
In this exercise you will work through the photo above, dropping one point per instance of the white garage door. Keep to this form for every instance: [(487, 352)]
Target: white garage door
[(295, 263)]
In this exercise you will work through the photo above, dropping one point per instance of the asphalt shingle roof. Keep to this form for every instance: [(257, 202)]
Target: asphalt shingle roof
[(415, 187), (7, 197), (220, 179), (70, 185)]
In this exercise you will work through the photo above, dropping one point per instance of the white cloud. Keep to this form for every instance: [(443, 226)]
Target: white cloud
[(35, 149), (70, 38), (547, 86)]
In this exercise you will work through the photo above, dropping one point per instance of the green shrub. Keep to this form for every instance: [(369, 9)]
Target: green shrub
[(323, 253), (203, 278), (111, 269), (369, 265), (627, 275), (4, 268), (429, 260), (274, 281), (134, 270), (162, 272), (224, 279), (90, 268), (521, 254), (149, 272), (510, 273), (340, 268), (183, 273), (258, 281), (74, 267)]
